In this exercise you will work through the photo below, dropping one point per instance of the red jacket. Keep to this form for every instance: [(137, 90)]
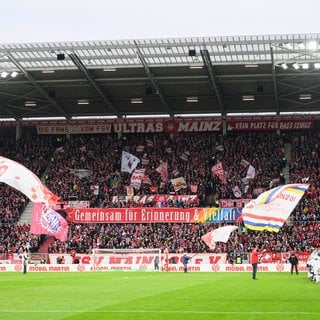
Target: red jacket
[(254, 258)]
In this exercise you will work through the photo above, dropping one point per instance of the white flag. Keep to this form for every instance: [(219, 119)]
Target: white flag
[(272, 208), (251, 173), (19, 177), (128, 162), (221, 234)]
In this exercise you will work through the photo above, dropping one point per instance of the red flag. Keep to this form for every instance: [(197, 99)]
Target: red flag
[(48, 221)]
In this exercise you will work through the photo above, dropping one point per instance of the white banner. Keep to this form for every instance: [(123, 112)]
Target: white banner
[(268, 267)]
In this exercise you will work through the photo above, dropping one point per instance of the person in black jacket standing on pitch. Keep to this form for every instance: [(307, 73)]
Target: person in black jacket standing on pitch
[(293, 259)]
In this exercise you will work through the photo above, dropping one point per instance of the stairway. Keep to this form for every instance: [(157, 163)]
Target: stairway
[(26, 216), (44, 247), (287, 153)]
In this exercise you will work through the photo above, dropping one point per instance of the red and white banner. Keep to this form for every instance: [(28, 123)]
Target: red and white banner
[(190, 199), (233, 203), (129, 126), (167, 125), (133, 215)]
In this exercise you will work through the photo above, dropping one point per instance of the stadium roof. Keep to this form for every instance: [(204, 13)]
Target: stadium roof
[(154, 77)]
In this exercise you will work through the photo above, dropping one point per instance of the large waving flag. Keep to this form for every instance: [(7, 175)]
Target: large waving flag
[(19, 177), (128, 162), (272, 208), (221, 234), (48, 221)]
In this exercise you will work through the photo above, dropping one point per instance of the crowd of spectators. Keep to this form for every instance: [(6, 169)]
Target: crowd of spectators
[(75, 168), (34, 153)]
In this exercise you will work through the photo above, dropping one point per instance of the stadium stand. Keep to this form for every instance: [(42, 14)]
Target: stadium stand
[(100, 155)]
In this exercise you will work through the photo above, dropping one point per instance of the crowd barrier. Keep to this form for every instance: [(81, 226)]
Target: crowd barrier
[(268, 267)]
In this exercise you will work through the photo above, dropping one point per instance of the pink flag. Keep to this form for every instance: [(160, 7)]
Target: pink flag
[(48, 221), (221, 234)]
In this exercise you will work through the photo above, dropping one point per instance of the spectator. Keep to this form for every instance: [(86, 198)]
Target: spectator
[(185, 261), (254, 260), (293, 259)]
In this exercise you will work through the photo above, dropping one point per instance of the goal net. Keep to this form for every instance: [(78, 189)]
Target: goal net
[(126, 260)]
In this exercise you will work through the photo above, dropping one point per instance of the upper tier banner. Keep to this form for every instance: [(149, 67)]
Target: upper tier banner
[(133, 126), (170, 125)]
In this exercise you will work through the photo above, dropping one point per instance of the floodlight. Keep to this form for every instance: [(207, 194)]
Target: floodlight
[(296, 66), (305, 96), (192, 99), (248, 98), (136, 100), (312, 45), (83, 101), (4, 74), (14, 74)]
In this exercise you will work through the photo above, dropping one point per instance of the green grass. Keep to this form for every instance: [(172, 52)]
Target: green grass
[(153, 296)]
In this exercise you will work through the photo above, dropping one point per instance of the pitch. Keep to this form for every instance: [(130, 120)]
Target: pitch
[(157, 295)]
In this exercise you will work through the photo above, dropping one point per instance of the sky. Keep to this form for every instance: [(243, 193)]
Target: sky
[(24, 21)]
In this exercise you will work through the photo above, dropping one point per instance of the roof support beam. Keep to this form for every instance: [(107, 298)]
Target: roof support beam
[(8, 110), (153, 81), (76, 60), (299, 89), (44, 93), (274, 79), (208, 64), (296, 104)]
